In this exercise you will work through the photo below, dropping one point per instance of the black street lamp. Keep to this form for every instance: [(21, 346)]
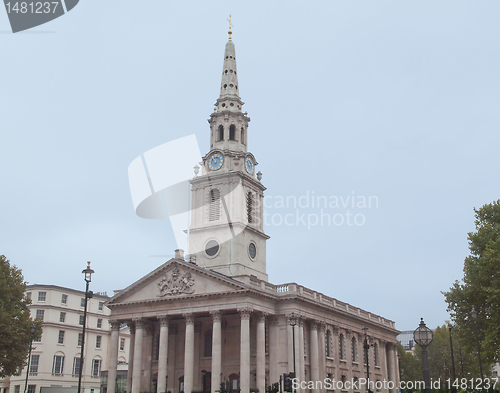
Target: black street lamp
[(473, 313), (32, 332), (452, 359), (88, 295), (293, 322), (423, 337), (366, 347)]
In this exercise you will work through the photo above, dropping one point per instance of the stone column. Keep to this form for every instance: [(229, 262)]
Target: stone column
[(136, 376), (314, 362), (273, 350), (289, 336), (301, 368), (261, 353), (113, 354), (391, 366), (216, 350), (322, 351), (245, 350), (188, 353), (163, 355), (131, 326)]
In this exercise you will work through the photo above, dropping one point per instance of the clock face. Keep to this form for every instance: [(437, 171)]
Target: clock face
[(215, 162), (249, 165)]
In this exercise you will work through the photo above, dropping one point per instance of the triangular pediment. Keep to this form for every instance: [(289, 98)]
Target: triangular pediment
[(176, 279)]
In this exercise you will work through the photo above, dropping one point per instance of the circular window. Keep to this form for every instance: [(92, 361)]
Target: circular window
[(212, 248), (252, 250)]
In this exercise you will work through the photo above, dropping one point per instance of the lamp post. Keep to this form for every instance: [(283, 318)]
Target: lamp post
[(293, 322), (423, 337), (88, 295), (32, 332), (452, 359), (473, 313), (366, 347)]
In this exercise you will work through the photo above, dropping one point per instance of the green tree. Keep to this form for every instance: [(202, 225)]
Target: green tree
[(410, 367), (15, 320), (480, 287)]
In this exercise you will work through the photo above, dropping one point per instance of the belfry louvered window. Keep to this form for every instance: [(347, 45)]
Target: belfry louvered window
[(214, 205), (250, 207), (220, 136)]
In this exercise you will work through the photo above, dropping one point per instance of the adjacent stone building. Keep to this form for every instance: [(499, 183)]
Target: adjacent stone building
[(213, 316), (55, 358)]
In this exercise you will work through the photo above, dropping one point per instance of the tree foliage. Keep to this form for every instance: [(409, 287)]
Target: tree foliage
[(480, 287), (15, 320), (439, 355)]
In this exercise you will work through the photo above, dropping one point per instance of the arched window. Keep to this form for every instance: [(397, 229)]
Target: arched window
[(214, 205), (242, 136), (220, 133), (232, 132), (354, 349), (96, 367), (76, 365), (249, 207), (341, 346), (58, 364), (328, 337)]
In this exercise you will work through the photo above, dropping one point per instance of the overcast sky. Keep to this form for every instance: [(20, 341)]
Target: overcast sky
[(395, 100)]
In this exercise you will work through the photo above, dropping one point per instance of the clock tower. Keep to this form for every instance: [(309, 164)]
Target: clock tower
[(226, 233)]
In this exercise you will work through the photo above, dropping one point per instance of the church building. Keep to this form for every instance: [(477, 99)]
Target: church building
[(213, 316)]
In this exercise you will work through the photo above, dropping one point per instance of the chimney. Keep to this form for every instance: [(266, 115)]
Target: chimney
[(179, 254)]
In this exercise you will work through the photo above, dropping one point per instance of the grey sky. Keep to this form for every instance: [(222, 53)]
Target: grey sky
[(392, 99)]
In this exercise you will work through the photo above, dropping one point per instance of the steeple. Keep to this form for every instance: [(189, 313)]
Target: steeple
[(228, 122), (227, 231), (229, 82)]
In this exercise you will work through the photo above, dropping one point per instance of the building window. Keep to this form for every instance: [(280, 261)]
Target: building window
[(17, 388), (82, 302), (249, 207), (96, 367), (40, 314), (101, 306), (80, 322), (214, 207), (354, 349), (99, 323), (122, 344), (242, 136), (62, 317), (375, 354), (341, 347), (98, 340), (38, 340), (64, 299), (31, 388), (80, 339), (232, 132), (35, 361), (42, 296), (208, 344), (60, 339), (327, 343), (28, 295), (58, 365), (76, 366), (220, 134)]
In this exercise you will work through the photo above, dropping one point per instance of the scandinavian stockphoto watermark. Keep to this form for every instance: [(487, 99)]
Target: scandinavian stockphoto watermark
[(378, 385), (311, 210), (24, 15)]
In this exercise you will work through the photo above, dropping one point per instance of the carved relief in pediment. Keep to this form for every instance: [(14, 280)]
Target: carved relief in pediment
[(176, 283)]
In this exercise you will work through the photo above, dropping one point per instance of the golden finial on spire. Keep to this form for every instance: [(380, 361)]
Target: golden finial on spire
[(230, 26)]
